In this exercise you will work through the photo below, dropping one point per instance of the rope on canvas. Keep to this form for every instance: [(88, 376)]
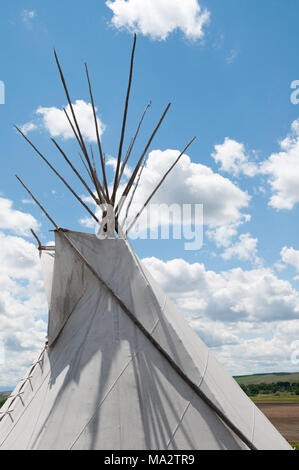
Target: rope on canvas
[(169, 359)]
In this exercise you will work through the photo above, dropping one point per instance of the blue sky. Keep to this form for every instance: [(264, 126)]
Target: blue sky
[(226, 67)]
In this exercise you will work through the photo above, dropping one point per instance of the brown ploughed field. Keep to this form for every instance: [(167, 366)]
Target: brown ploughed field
[(284, 416)]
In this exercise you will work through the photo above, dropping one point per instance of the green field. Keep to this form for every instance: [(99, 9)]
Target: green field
[(275, 387), (267, 378), (295, 445), (284, 397)]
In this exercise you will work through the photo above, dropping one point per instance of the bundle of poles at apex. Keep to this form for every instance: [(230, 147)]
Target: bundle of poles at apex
[(99, 190)]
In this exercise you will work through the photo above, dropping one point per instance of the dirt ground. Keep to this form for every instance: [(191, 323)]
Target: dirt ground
[(284, 416)]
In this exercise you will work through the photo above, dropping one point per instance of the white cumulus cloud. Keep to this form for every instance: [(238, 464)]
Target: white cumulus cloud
[(232, 157), (223, 234), (158, 18), (17, 221), (28, 127), (22, 297), (111, 161), (230, 296), (283, 171), (55, 121), (248, 317), (191, 183), (245, 249), (290, 256)]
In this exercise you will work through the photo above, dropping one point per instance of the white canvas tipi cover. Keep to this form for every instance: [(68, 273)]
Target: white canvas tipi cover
[(123, 369)]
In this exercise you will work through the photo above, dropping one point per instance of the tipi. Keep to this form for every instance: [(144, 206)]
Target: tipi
[(121, 369)]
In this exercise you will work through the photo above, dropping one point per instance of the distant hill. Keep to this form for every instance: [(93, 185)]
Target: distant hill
[(268, 378), (6, 389)]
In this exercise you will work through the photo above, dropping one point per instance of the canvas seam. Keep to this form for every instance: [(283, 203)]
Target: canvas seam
[(164, 353), (109, 391)]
